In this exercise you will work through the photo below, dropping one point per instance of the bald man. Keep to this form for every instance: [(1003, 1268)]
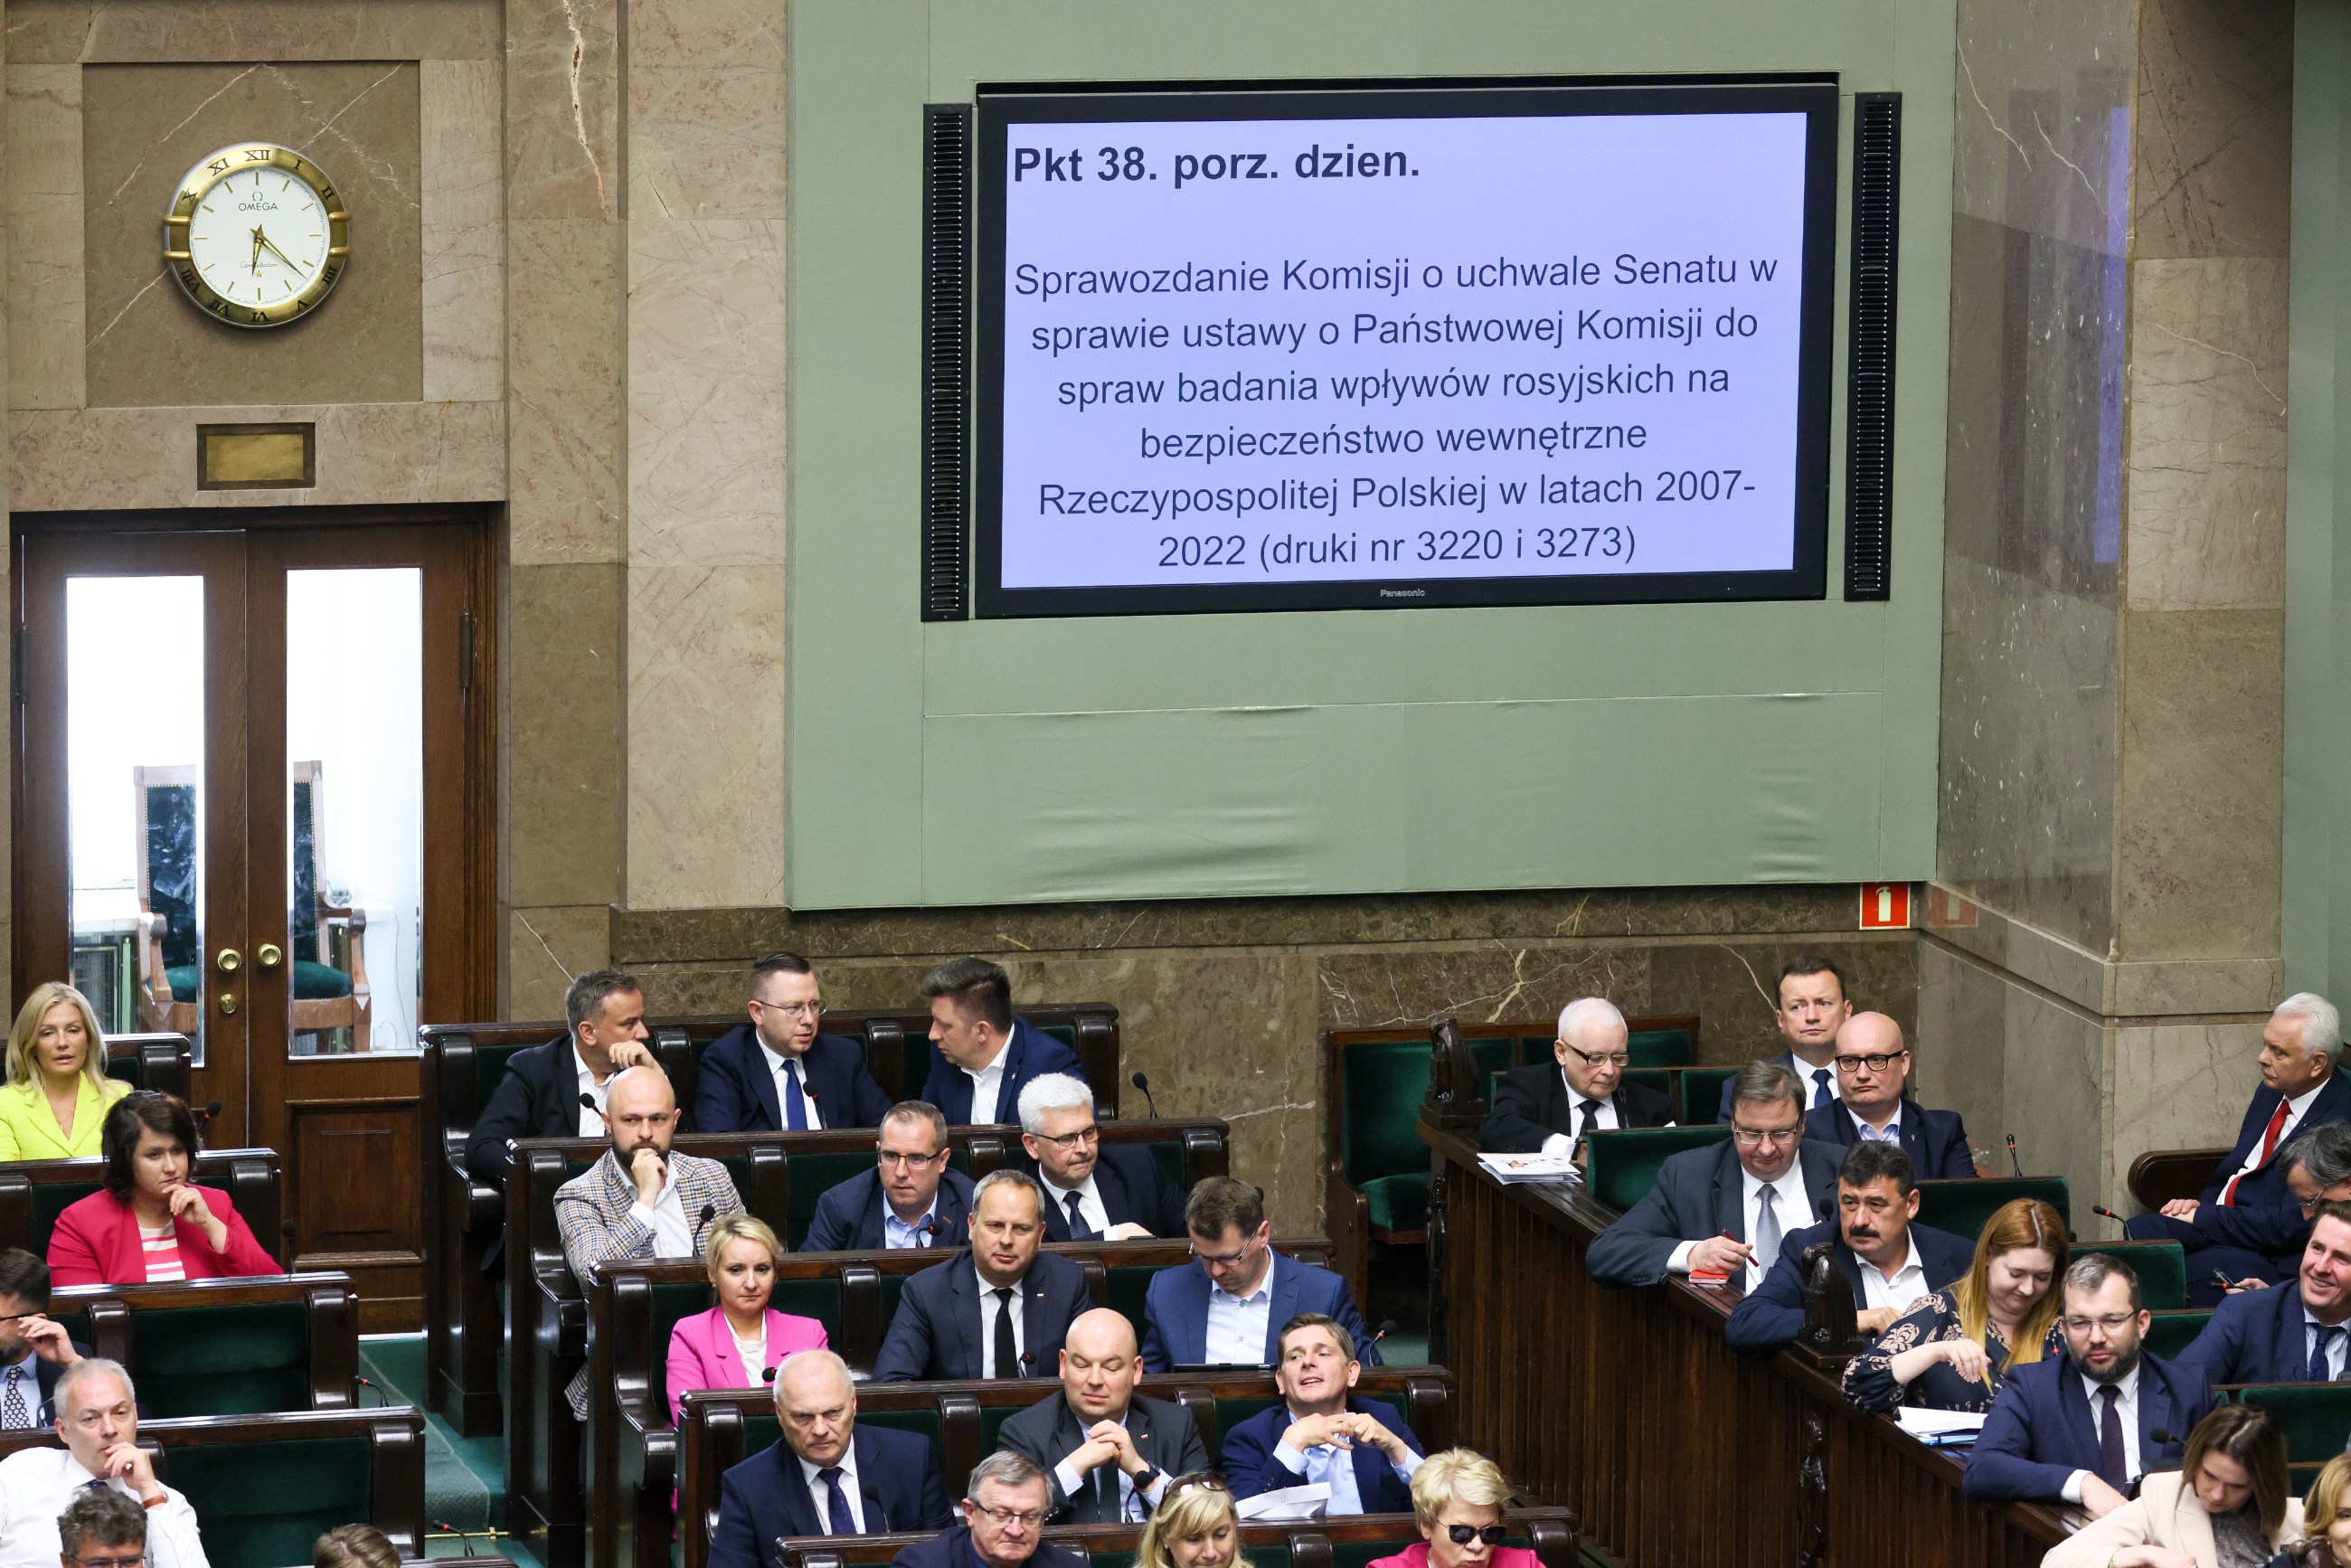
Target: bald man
[(1873, 1069), (1107, 1451), (639, 1200)]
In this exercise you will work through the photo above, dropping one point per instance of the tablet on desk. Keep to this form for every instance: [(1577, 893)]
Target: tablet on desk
[(1198, 1366)]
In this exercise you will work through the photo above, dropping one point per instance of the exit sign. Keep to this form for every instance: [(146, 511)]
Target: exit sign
[(1884, 905)]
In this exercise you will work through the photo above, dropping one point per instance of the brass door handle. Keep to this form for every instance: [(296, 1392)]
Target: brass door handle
[(269, 955), (227, 1003), (227, 961)]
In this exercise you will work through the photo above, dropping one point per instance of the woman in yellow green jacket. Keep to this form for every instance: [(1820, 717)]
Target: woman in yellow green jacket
[(53, 1103)]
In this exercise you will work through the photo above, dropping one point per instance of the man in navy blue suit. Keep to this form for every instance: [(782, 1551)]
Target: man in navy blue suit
[(1889, 1261), (828, 1476), (2246, 1219), (1812, 1007), (910, 1198), (1873, 1069), (1003, 1510), (1322, 1432), (999, 1309), (775, 1074), (1092, 1193), (982, 1056), (2083, 1426), (1227, 1307), (2287, 1334), (34, 1349)]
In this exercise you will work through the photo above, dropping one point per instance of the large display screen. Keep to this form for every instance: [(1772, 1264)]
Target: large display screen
[(1338, 348)]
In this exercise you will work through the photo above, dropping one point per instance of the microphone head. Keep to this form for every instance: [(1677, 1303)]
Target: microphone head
[(709, 1213), (2160, 1436), (589, 1101), (768, 1376), (1139, 1081), (1387, 1327)]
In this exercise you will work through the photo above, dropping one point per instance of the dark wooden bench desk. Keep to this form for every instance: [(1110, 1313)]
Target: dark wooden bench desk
[(1324, 1543), (205, 1347)]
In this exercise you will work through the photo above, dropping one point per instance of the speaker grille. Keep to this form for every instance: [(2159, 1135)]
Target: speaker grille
[(946, 360), (1869, 384)]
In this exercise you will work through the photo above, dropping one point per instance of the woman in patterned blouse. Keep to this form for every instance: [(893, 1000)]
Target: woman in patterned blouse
[(1949, 1352)]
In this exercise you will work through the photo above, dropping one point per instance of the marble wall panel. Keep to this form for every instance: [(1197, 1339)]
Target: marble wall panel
[(706, 110), (143, 127), (565, 357), (705, 738), (2206, 482), (2176, 1085), (566, 747), (1733, 987), (2213, 111), (563, 110), (45, 260), (1403, 988), (2043, 94), (545, 949), (463, 229), (66, 32)]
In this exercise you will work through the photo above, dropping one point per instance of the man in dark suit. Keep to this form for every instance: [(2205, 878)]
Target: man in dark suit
[(1553, 1109), (910, 1198), (2262, 1243), (2248, 1214), (1227, 1307), (998, 1308), (1725, 1212), (828, 1476), (1092, 1192), (1108, 1451), (34, 1350), (1889, 1261), (1873, 1067), (2287, 1334), (982, 1056), (2046, 1439), (1321, 1432), (775, 1074), (540, 1096), (1812, 1007), (1002, 1510)]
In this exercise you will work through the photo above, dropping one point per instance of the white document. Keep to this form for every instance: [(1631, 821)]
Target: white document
[(1288, 1505), (1529, 1167), (1939, 1423)]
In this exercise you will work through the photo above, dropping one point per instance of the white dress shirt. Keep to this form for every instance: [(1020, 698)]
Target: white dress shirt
[(1564, 1142), (2336, 1346), (1089, 1202), (849, 1489), (984, 1083), (1236, 1324), (591, 1121), (1900, 1293), (1334, 1467), (1890, 1134), (897, 1236), (2295, 1110), (1789, 1202), (36, 1484), (786, 1070), (1072, 1483), (673, 1235), (1804, 1071), (753, 1353), (987, 1308), (2127, 1409)]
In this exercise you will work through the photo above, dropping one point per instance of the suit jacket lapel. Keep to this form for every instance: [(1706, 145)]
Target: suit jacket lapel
[(963, 1289), (1194, 1349), (1731, 1193), (2154, 1410), (2073, 1410), (1851, 1264), (763, 1082), (1283, 1305), (1007, 1087)]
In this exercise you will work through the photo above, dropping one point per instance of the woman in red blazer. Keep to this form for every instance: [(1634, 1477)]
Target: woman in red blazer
[(738, 1342), (151, 1223)]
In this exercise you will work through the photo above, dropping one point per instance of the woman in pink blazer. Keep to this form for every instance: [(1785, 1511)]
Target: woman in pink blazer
[(151, 1223), (1457, 1505), (738, 1343)]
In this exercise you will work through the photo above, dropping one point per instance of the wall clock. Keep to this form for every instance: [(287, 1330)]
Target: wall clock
[(258, 236)]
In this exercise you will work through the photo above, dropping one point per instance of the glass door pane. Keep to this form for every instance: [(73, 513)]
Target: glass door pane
[(354, 808), (134, 684)]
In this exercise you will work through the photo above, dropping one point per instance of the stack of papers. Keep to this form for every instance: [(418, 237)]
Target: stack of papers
[(1940, 1429), (1288, 1505), (1529, 1167)]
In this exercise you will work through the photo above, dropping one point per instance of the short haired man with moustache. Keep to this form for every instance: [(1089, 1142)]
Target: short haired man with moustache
[(1227, 1307), (1552, 1109), (1322, 1432), (775, 1074), (557, 1090), (827, 1475), (1811, 1006), (912, 1197), (982, 1056), (1109, 1451), (98, 1420), (1873, 1069), (1003, 1510), (998, 1309), (1093, 1192), (2298, 1332)]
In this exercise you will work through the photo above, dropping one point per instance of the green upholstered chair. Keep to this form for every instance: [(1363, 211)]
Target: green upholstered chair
[(2170, 1332), (992, 1419), (262, 1504), (1381, 1085), (1660, 1047), (1232, 1412), (818, 1298), (224, 1360), (1624, 1162), (51, 1199), (2161, 1267), (1962, 1207), (2314, 1415), (1703, 1094), (1125, 1286), (1653, 1078)]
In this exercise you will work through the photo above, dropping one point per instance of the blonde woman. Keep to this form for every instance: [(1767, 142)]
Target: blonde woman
[(1457, 1505), (736, 1342), (54, 1105), (2325, 1519), (1194, 1526)]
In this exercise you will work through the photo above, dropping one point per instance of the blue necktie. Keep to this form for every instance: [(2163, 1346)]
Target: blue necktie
[(795, 1107), (2114, 1462), (840, 1521), (1079, 1230), (2321, 1336), (1822, 1093)]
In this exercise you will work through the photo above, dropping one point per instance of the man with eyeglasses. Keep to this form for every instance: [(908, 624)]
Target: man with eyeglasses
[(1552, 1110), (102, 1528), (1811, 1008), (1004, 1511), (1873, 1069), (912, 1197), (1724, 1211), (98, 1418), (1093, 1192), (1889, 1261), (1227, 1307), (775, 1074), (2290, 1333), (2083, 1426), (998, 1310)]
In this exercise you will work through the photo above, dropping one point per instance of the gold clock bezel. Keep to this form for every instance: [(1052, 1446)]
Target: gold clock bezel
[(198, 184)]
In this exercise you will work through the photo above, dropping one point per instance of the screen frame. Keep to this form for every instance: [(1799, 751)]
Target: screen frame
[(1000, 107)]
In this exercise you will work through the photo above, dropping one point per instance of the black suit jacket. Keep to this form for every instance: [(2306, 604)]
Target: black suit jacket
[(935, 1334), (1936, 1140), (766, 1495), (1772, 1314), (734, 1087), (1699, 1193), (1533, 1102), (1134, 1189), (537, 1098), (952, 1549), (849, 1216), (1050, 1432)]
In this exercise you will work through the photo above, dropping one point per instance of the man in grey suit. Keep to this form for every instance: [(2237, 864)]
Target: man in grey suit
[(1108, 1452), (1721, 1210)]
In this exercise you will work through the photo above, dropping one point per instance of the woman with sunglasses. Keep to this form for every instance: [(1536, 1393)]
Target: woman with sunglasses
[(1193, 1527), (1950, 1350), (1457, 1505)]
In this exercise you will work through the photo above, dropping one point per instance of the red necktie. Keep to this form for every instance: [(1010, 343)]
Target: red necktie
[(2269, 1147)]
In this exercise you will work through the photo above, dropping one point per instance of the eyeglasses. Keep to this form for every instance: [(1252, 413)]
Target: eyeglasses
[(1463, 1534), (2111, 1325), (892, 1157), (1749, 1137), (136, 1562), (1596, 1058), (1876, 1062), (1092, 1134), (1007, 1518), (791, 1009), (1223, 1260)]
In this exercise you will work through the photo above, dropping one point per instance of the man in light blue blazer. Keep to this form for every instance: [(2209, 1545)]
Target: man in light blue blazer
[(1226, 1308), (982, 1056)]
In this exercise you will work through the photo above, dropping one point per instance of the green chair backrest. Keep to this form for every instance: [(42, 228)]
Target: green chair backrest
[(1124, 1286), (1535, 1048), (923, 1421), (224, 1360), (1962, 1207), (762, 1430), (992, 1419), (1703, 1094), (1653, 1078), (2171, 1333), (1386, 1081), (1660, 1047), (2161, 1267), (807, 1179), (490, 1067), (2315, 1416), (672, 1302), (1624, 1162), (264, 1504), (1170, 1156), (1231, 1413), (819, 1298), (1067, 1033), (131, 1069), (51, 1199)]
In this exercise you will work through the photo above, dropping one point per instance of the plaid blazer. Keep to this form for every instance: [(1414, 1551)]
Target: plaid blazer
[(593, 1213)]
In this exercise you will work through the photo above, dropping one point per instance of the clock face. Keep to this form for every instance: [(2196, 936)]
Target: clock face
[(256, 236)]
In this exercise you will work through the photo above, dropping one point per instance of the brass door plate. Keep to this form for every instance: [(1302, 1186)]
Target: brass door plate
[(256, 456)]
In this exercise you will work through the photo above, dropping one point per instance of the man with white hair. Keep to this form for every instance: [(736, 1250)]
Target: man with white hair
[(98, 1418), (1093, 1192), (2302, 1087), (1553, 1111)]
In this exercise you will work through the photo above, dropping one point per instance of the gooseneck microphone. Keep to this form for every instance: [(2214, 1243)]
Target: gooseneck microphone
[(1140, 1081), (873, 1510), (768, 1376), (589, 1101), (2110, 1213), (2013, 1162)]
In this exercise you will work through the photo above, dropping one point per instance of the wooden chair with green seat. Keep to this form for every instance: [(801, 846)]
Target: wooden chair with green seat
[(1622, 1162), (156, 1062), (33, 1193), (2161, 1267), (2314, 1416), (2169, 1332), (1961, 1207), (171, 958)]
